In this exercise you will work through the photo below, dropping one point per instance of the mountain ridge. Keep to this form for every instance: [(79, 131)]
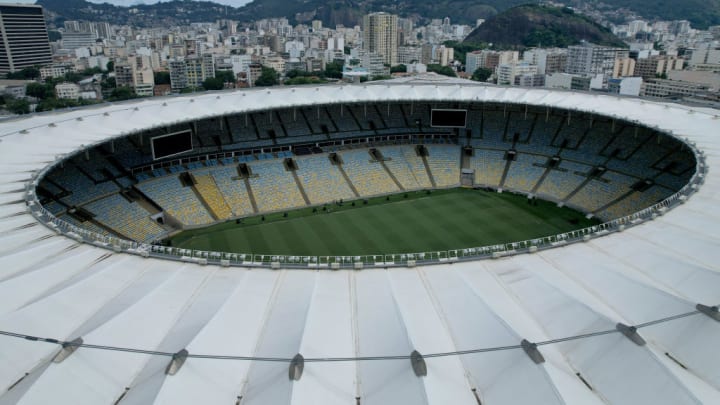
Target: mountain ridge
[(701, 13)]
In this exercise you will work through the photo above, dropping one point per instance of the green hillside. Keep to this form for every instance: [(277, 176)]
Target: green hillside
[(541, 26)]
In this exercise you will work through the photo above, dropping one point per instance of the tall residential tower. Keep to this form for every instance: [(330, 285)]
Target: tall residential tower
[(380, 35), (23, 37)]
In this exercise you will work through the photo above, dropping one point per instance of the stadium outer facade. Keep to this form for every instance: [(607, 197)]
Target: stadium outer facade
[(650, 276)]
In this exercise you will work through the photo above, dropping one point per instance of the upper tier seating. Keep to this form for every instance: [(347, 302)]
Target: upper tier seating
[(294, 123), (519, 124), (81, 188)]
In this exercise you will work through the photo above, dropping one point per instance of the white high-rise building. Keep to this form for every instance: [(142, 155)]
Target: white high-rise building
[(380, 36), (590, 59)]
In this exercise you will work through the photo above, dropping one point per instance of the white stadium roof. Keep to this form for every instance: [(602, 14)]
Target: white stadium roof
[(53, 287)]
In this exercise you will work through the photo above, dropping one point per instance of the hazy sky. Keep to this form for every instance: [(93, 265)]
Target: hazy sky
[(235, 3)]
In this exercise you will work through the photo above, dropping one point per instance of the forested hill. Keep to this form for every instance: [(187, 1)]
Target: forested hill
[(540, 26), (701, 13)]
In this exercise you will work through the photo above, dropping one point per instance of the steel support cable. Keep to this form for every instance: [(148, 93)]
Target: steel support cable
[(337, 359)]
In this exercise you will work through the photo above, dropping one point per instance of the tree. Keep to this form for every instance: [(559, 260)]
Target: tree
[(110, 66), (460, 49), (18, 106), (227, 76), (268, 77), (334, 70), (109, 83), (481, 74), (441, 70), (39, 90), (122, 93), (304, 80), (73, 77), (398, 69), (213, 83), (162, 77), (27, 73), (91, 71)]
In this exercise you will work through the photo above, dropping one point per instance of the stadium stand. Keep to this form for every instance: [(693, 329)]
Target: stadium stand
[(599, 192), (126, 218), (85, 225), (369, 178), (394, 119), (494, 130), (474, 123), (93, 167), (233, 190), (268, 125), (205, 185), (636, 201), (407, 167), (179, 202), (571, 132), (318, 118), (322, 182), (541, 138), (416, 113), (274, 188), (82, 189), (211, 133), (343, 118), (55, 208), (444, 163), (488, 166), (294, 123), (263, 139), (560, 183), (525, 172), (626, 141), (519, 124)]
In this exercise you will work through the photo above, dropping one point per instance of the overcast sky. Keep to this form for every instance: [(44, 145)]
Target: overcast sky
[(236, 3)]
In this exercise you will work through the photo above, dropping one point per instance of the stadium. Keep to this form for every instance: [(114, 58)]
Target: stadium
[(115, 288)]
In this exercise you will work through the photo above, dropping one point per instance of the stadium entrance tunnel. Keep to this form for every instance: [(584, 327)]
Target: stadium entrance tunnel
[(131, 192)]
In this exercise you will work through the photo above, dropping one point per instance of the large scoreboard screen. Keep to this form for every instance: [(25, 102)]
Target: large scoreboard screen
[(171, 144), (448, 118)]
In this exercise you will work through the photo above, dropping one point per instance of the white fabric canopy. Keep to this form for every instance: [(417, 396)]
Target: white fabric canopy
[(52, 286)]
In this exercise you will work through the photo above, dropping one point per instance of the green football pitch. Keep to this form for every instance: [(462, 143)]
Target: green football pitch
[(402, 223)]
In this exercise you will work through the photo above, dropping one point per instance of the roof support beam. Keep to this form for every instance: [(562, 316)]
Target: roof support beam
[(532, 351), (68, 348), (297, 364), (418, 364), (178, 359), (630, 332), (712, 312)]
